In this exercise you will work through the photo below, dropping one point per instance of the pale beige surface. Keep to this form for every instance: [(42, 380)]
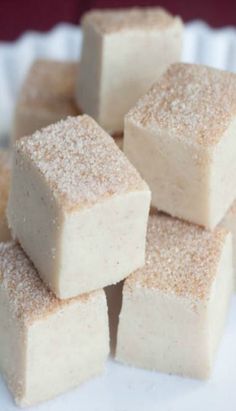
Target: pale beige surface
[(229, 222), (47, 346), (47, 95), (5, 170), (146, 42), (78, 207), (119, 20), (181, 137), (175, 307)]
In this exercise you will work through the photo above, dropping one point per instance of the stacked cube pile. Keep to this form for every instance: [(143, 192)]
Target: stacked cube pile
[(79, 209)]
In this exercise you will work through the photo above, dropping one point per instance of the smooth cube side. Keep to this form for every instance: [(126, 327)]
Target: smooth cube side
[(178, 174), (171, 334), (35, 218), (74, 341), (141, 58), (222, 175), (110, 83), (89, 78), (103, 244)]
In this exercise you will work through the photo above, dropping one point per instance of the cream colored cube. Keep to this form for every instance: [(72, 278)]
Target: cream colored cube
[(78, 207), (47, 346), (5, 171), (124, 51), (181, 137), (47, 96), (173, 310)]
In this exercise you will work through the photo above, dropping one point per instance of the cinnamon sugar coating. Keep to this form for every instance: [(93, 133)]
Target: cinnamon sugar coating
[(29, 299), (80, 162), (194, 102), (50, 85), (181, 258)]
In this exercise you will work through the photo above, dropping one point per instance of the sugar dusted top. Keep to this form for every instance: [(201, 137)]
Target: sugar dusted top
[(108, 20), (50, 85), (181, 258), (192, 102), (28, 297), (5, 167), (80, 162)]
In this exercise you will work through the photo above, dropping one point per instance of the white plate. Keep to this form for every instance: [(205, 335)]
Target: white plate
[(124, 388)]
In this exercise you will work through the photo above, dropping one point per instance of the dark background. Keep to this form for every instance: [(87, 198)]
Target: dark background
[(16, 16)]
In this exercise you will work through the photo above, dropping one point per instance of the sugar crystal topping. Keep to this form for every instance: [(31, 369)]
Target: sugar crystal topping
[(80, 162), (181, 258), (28, 297), (108, 20), (192, 102), (50, 85)]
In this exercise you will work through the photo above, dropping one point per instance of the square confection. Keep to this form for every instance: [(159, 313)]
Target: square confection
[(181, 137), (124, 51), (47, 346), (174, 309), (78, 207), (229, 222), (47, 95), (5, 171)]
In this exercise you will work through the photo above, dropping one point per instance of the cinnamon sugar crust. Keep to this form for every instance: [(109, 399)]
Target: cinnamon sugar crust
[(29, 298), (195, 103), (181, 258), (50, 85), (80, 162)]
